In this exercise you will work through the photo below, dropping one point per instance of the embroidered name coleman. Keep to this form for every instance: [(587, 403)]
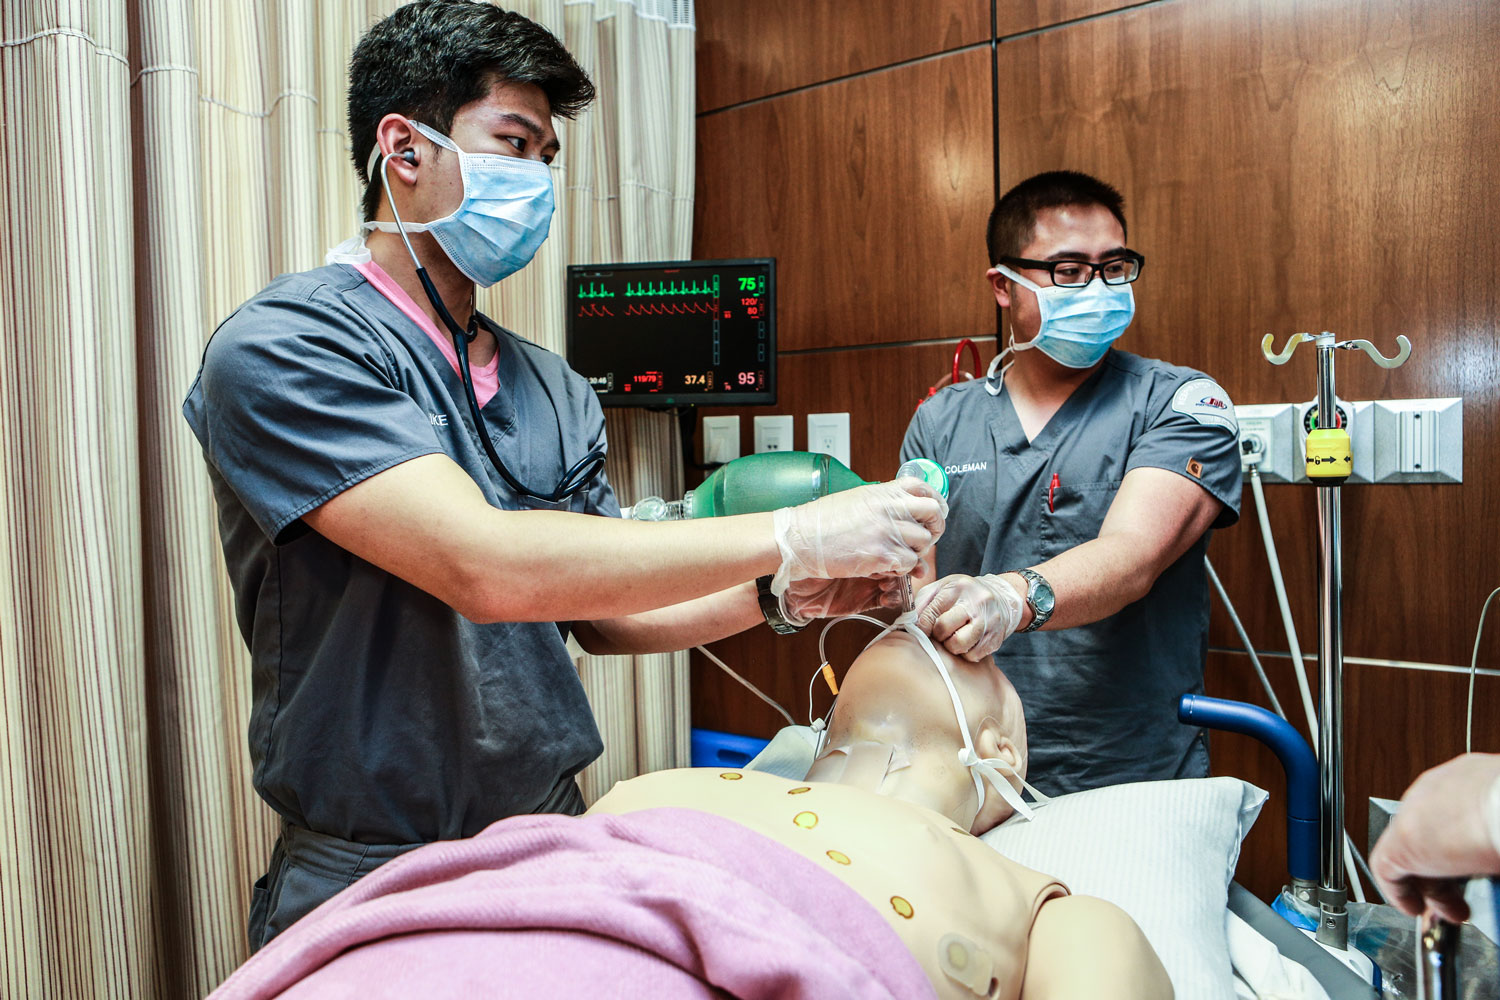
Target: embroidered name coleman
[(954, 470)]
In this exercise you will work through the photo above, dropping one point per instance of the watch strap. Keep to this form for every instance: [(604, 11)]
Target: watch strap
[(1034, 581), (770, 608)]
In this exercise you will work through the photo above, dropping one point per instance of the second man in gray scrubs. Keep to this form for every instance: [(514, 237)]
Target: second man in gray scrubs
[(1085, 481)]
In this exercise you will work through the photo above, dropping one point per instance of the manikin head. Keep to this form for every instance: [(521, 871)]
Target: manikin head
[(893, 695)]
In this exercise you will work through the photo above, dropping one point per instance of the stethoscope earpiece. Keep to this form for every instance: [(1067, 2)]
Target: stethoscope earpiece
[(581, 473)]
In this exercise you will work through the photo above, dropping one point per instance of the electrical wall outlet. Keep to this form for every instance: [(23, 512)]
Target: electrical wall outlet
[(829, 433), (773, 433), (721, 439)]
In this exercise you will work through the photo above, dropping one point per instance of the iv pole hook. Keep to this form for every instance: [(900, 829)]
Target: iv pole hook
[(1291, 345), (1403, 351)]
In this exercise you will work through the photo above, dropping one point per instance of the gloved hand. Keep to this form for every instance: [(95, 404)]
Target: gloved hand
[(970, 615), (876, 530), (1448, 828), (805, 600)]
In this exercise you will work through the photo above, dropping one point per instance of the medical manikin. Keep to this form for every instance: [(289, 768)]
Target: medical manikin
[(979, 924), (615, 903)]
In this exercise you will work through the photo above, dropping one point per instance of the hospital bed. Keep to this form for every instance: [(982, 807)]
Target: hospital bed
[(1165, 852)]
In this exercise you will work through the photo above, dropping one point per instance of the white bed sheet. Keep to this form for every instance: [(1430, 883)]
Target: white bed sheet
[(1261, 972)]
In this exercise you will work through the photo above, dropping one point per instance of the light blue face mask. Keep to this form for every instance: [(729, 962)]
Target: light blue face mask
[(503, 219), (1078, 324)]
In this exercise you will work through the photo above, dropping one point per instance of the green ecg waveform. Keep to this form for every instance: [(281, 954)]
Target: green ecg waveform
[(672, 288)]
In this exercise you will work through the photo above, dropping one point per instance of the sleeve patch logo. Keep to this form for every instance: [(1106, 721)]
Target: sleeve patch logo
[(1195, 468), (1204, 401)]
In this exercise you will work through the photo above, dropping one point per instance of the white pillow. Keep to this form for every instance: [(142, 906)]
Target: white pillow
[(788, 755), (1162, 851)]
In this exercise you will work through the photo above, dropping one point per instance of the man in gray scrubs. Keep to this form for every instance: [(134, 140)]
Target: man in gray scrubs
[(405, 488), (1084, 484)]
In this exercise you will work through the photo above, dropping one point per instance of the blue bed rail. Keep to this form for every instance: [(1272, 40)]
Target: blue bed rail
[(711, 748), (1297, 759)]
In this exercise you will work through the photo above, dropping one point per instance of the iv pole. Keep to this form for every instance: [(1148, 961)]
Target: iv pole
[(1329, 463)]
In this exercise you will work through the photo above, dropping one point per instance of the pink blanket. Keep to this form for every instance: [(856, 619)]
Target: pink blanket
[(662, 903)]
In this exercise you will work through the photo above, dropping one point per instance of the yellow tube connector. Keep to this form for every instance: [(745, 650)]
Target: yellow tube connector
[(1328, 454)]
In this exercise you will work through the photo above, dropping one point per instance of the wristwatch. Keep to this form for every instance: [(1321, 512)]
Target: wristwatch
[(770, 607), (1039, 598)]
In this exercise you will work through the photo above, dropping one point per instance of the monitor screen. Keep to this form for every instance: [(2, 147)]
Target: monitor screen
[(663, 334)]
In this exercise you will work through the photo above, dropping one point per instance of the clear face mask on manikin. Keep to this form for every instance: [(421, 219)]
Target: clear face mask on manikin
[(868, 763), (502, 221), (1078, 325)]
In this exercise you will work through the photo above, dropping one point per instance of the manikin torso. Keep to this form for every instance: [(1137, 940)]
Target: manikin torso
[(893, 820), (958, 904)]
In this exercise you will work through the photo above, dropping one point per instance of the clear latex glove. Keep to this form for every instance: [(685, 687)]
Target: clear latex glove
[(872, 531), (1447, 829), (805, 600), (970, 615)]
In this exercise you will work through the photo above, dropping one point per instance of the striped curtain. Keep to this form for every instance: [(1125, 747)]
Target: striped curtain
[(163, 160)]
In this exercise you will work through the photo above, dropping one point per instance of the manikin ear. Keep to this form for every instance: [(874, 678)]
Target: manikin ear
[(991, 742), (1000, 285)]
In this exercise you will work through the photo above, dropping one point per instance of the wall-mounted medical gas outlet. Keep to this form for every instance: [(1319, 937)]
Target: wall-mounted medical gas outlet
[(721, 439), (1393, 440), (1419, 441), (1354, 417), (773, 433), (829, 433), (1267, 440)]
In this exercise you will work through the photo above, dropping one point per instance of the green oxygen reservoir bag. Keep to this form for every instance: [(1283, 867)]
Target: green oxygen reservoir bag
[(771, 480)]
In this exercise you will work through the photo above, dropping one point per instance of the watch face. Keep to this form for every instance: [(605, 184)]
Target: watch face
[(1041, 596)]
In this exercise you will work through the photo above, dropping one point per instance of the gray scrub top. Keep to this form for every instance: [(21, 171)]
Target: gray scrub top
[(380, 714), (1100, 699)]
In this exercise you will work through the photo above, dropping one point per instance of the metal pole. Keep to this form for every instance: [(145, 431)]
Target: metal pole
[(1333, 923), (1438, 951)]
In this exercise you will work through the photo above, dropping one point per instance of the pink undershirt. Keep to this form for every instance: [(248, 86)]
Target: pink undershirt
[(486, 379)]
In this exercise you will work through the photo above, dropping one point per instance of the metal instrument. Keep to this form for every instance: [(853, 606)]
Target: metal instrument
[(1437, 977)]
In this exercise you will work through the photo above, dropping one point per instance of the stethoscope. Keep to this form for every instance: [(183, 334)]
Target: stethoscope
[(582, 472)]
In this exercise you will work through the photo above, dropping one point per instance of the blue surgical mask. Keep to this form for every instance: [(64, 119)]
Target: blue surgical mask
[(1078, 324), (504, 216)]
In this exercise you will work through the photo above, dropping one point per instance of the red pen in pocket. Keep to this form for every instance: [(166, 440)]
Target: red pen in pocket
[(1052, 489)]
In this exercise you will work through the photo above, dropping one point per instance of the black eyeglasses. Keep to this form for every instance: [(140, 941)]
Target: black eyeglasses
[(1120, 270)]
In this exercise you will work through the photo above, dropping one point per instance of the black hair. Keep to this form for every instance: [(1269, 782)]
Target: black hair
[(432, 57), (1013, 220)]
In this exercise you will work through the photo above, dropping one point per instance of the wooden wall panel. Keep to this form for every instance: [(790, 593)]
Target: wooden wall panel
[(879, 388), (872, 194), (1013, 17), (1305, 167), (751, 48)]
